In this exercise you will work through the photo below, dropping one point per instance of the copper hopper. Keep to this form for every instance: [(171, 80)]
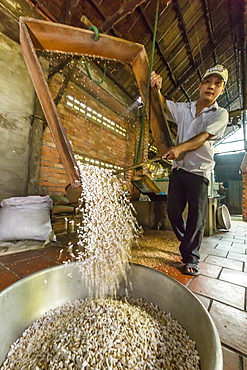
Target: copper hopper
[(42, 35)]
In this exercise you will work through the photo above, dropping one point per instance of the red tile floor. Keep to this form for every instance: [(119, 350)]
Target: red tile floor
[(221, 285)]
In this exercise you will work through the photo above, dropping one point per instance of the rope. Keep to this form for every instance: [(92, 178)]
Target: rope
[(89, 73), (96, 32), (148, 85), (96, 38)]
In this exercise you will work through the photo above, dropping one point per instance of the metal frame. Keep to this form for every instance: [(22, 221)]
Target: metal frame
[(42, 35)]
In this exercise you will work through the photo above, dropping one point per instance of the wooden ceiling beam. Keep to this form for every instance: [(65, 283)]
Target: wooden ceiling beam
[(67, 80), (210, 33), (167, 65), (70, 6), (238, 67), (117, 34), (158, 48), (232, 8), (142, 12), (59, 67), (186, 94), (35, 34), (207, 15), (236, 30), (206, 51), (67, 18), (243, 51), (42, 10), (104, 16), (184, 32), (127, 8)]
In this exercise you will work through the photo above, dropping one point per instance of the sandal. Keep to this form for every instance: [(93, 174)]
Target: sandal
[(191, 266)]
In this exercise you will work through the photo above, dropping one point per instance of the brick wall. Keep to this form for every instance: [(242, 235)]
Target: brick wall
[(87, 138)]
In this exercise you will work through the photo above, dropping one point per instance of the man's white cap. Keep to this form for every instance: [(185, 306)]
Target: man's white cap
[(218, 70)]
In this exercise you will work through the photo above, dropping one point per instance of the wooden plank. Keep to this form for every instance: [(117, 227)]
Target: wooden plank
[(36, 34), (49, 107)]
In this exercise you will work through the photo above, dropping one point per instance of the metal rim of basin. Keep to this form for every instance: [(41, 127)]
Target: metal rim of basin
[(28, 299)]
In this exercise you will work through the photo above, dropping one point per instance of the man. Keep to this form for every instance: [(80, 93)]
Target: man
[(198, 124)]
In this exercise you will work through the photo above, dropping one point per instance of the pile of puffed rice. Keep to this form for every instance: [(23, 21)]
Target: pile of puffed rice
[(104, 334)]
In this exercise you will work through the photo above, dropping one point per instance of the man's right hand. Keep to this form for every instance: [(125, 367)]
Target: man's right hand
[(156, 80), (173, 152)]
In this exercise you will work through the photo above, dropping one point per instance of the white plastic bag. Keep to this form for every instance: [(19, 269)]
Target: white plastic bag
[(25, 218)]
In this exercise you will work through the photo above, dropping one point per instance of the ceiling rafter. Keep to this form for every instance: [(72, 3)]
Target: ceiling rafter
[(104, 16), (205, 51), (67, 80), (236, 50), (210, 32), (243, 51), (68, 10), (127, 8), (185, 35), (59, 67), (116, 34), (177, 46), (42, 10), (143, 14), (210, 28), (208, 17), (150, 30), (238, 72), (168, 67)]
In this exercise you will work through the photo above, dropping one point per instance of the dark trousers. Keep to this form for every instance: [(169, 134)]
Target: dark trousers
[(185, 187)]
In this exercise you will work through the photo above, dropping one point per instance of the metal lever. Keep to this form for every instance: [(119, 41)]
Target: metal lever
[(137, 165)]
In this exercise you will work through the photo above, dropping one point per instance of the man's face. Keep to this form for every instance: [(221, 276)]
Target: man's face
[(211, 88)]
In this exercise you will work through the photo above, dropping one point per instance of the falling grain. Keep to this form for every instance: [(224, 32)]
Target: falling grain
[(108, 230)]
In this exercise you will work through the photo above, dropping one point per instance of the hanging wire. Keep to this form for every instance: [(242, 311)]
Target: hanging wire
[(148, 85), (96, 32), (89, 73), (96, 38)]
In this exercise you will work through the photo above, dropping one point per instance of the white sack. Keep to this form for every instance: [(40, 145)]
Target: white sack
[(25, 218)]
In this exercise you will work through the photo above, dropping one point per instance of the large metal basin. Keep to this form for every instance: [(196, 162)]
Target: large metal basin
[(28, 299)]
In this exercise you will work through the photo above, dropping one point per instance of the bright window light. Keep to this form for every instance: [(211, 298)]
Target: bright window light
[(76, 105), (96, 162), (233, 143)]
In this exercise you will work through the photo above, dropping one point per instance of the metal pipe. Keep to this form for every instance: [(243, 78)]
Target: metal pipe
[(141, 164)]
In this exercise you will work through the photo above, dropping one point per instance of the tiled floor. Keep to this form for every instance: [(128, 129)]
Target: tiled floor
[(221, 286)]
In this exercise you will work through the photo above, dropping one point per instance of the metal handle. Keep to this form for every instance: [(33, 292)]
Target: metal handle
[(137, 165)]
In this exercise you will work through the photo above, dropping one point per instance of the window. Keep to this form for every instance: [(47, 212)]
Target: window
[(234, 142), (95, 162), (83, 109)]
